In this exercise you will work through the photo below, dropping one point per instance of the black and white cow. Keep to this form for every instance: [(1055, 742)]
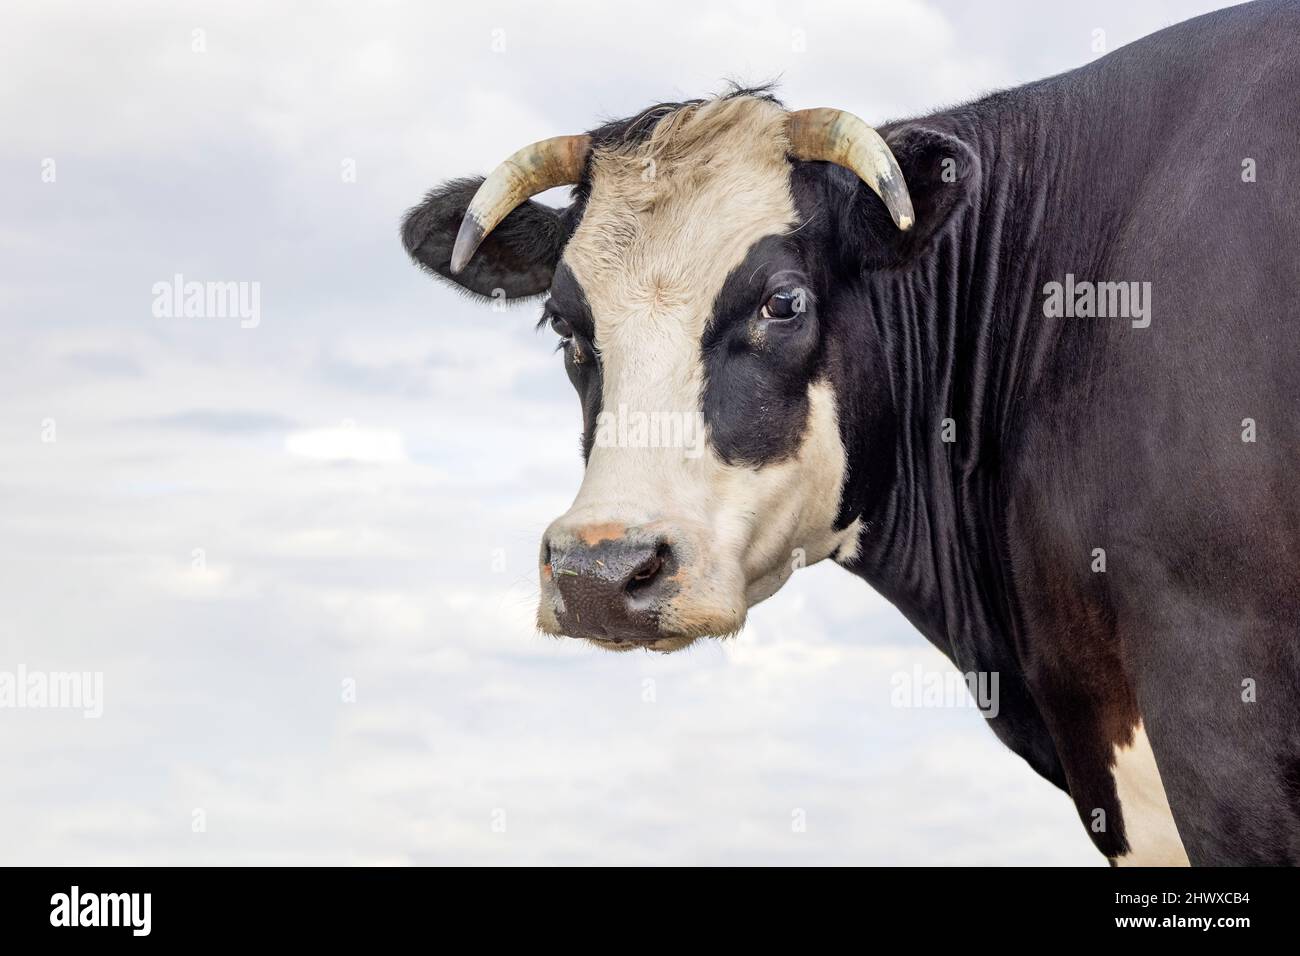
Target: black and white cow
[(905, 354)]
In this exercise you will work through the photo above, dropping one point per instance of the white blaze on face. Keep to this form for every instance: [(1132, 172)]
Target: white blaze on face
[(665, 224), (1148, 823)]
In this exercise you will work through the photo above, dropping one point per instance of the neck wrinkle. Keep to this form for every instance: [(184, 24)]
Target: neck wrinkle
[(965, 342), (957, 326)]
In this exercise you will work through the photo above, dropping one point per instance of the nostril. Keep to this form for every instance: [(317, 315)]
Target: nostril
[(649, 570), (646, 573)]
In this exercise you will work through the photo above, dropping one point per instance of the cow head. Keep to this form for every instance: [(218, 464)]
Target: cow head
[(705, 287)]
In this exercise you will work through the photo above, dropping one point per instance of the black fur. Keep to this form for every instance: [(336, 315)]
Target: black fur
[(515, 261)]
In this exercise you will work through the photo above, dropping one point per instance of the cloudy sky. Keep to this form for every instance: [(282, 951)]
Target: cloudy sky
[(300, 549)]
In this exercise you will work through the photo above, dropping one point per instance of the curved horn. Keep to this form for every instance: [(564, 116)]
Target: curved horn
[(835, 136), (557, 161)]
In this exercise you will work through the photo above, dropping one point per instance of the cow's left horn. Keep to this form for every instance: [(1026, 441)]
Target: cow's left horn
[(835, 136), (557, 161)]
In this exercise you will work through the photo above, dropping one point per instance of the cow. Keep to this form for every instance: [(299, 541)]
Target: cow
[(1029, 366)]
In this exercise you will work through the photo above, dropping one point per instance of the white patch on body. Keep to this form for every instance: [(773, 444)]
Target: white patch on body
[(1148, 823)]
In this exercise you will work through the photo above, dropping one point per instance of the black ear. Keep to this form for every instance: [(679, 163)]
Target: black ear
[(941, 173), (516, 260)]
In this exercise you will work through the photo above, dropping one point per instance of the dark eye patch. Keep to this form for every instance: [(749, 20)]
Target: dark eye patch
[(568, 314), (749, 284), (756, 376), (568, 302)]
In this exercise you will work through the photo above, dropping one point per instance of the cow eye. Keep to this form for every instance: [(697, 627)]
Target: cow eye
[(561, 328), (785, 304), (568, 341)]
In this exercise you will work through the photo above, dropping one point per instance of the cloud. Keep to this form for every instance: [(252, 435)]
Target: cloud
[(347, 443), (222, 422)]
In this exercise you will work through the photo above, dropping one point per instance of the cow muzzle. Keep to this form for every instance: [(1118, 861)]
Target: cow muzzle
[(622, 588)]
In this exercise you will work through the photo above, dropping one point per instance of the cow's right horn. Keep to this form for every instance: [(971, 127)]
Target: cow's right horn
[(834, 136), (535, 168)]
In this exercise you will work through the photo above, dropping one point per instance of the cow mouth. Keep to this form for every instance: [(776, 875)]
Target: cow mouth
[(660, 641), (660, 645)]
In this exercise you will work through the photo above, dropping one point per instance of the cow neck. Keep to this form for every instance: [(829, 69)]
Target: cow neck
[(963, 337)]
